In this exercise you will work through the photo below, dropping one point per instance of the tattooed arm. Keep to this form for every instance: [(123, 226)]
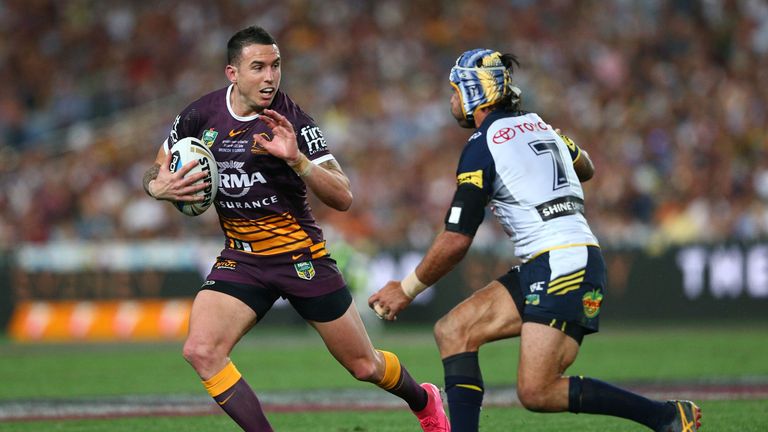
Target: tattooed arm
[(160, 183), (149, 177)]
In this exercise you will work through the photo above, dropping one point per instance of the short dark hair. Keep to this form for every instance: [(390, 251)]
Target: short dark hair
[(247, 36)]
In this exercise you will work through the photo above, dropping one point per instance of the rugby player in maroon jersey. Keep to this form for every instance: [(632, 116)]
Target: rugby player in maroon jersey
[(269, 153)]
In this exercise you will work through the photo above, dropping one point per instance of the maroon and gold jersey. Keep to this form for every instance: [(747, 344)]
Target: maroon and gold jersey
[(261, 202)]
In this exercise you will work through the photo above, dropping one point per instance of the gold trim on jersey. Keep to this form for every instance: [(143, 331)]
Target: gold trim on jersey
[(318, 250), (270, 235)]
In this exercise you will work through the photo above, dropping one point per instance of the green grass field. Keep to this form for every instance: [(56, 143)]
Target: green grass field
[(720, 416), (280, 360)]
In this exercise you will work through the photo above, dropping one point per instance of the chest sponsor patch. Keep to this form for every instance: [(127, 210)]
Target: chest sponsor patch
[(305, 270), (562, 206), (235, 181)]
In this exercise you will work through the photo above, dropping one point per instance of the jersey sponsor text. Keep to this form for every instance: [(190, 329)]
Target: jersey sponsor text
[(560, 207), (314, 138), (252, 204)]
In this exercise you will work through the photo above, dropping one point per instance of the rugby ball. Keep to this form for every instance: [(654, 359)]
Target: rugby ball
[(184, 151)]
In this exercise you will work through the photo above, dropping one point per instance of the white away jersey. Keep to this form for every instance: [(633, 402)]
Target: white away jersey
[(526, 170)]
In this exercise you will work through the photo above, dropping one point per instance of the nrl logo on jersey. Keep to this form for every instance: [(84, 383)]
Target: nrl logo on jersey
[(238, 183), (209, 137)]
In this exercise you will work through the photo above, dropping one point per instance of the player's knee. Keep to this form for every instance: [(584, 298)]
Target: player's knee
[(363, 369), (451, 334), (192, 352), (532, 396), (199, 355)]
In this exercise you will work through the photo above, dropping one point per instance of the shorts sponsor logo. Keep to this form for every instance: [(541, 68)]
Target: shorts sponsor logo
[(305, 270), (225, 264), (209, 283), (592, 301), (209, 136), (532, 299)]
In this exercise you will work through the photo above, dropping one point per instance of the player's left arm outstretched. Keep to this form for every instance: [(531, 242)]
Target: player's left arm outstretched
[(447, 250), (462, 220), (327, 181)]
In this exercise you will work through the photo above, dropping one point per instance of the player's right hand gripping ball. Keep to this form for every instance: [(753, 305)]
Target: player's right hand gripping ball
[(380, 311), (187, 150)]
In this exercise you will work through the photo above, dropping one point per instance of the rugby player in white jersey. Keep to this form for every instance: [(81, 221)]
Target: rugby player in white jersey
[(530, 176)]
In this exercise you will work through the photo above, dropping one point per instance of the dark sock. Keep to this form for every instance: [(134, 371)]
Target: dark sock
[(241, 403), (592, 396), (410, 391), (400, 383), (465, 390), (238, 400)]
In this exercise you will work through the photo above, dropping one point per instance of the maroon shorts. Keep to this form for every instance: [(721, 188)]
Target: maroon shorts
[(315, 288), (279, 273)]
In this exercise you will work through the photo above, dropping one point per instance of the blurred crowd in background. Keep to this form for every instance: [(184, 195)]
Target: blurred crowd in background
[(670, 99)]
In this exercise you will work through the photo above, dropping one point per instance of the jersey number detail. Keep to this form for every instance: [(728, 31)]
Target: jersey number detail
[(543, 148)]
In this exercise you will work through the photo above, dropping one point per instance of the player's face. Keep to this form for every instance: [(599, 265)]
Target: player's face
[(457, 113), (257, 76)]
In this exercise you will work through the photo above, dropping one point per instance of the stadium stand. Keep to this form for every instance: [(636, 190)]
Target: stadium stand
[(669, 97)]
